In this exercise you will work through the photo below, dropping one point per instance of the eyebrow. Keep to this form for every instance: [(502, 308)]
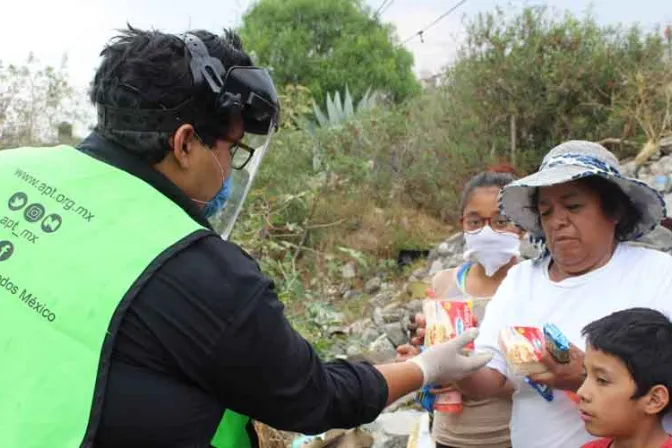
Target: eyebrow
[(602, 370)]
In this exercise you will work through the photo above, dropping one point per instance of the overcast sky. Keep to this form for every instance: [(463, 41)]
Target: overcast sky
[(80, 28)]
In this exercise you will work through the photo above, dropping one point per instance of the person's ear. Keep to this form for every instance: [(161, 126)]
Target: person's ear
[(656, 399), (184, 142)]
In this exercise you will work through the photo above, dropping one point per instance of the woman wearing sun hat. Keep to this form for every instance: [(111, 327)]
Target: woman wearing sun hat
[(580, 207)]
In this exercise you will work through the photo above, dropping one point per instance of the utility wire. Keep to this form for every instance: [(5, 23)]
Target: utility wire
[(380, 8), (387, 6), (437, 20)]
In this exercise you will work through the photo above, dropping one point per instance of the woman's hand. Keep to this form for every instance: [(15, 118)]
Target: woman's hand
[(568, 376), (418, 326), (417, 329), (406, 352)]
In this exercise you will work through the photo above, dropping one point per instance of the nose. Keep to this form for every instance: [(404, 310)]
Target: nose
[(558, 218), (583, 391)]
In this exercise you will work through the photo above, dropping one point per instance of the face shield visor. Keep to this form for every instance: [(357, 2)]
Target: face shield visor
[(245, 91), (241, 182), (219, 96), (250, 92)]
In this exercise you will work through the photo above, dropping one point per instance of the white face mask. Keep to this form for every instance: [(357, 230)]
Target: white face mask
[(491, 249)]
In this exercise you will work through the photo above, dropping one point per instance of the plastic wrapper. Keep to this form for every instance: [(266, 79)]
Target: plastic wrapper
[(556, 343), (447, 319), (523, 348)]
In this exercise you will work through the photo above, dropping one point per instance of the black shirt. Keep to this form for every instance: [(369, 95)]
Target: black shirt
[(207, 333)]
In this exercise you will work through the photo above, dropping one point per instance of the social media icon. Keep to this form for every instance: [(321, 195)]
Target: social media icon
[(17, 201), (34, 212), (6, 250), (52, 223)]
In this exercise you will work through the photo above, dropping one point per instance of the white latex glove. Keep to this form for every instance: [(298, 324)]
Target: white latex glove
[(444, 363)]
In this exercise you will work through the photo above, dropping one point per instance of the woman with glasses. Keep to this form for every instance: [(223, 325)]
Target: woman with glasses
[(491, 248)]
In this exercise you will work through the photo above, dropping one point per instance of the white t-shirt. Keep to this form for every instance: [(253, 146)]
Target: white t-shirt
[(634, 277)]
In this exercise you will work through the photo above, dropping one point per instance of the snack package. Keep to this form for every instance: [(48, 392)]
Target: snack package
[(556, 343), (447, 319), (425, 399), (523, 348)]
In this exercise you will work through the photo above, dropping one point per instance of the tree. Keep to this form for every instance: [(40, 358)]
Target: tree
[(548, 78), (37, 104), (327, 44)]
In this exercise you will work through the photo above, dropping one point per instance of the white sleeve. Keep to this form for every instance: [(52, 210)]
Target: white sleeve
[(654, 282), (497, 317)]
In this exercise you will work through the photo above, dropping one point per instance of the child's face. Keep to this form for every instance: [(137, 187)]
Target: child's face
[(607, 407)]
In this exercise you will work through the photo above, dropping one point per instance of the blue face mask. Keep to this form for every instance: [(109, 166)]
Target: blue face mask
[(217, 203), (214, 205)]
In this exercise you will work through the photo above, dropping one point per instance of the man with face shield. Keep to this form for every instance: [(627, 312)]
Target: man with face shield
[(127, 321)]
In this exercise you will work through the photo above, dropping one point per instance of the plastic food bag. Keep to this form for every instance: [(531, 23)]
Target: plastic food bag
[(447, 319), (523, 348)]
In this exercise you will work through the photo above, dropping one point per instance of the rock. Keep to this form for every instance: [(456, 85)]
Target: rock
[(353, 351), (443, 249), (343, 288), (369, 336), (373, 285), (629, 169), (381, 350), (349, 270), (659, 238), (666, 164), (414, 306), (381, 299), (395, 334), (352, 294), (390, 315), (337, 331), (377, 316), (437, 266), (666, 145), (451, 255), (357, 328), (416, 289), (392, 429), (420, 273), (403, 402)]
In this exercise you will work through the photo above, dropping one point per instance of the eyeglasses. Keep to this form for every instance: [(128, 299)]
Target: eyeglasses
[(238, 158), (498, 223), (241, 154)]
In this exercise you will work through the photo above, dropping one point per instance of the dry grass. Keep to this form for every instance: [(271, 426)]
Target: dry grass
[(375, 231)]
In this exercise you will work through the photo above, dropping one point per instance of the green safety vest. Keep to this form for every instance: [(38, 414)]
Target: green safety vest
[(70, 266)]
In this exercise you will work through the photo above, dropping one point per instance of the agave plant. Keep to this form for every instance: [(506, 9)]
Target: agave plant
[(339, 112)]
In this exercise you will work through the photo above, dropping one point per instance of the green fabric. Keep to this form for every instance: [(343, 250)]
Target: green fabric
[(56, 309), (232, 432)]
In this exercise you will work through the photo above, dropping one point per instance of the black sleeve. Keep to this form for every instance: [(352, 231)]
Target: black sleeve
[(262, 368)]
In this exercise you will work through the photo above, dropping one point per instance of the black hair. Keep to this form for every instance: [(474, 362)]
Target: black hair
[(615, 204), (150, 70), (642, 339), (499, 176)]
